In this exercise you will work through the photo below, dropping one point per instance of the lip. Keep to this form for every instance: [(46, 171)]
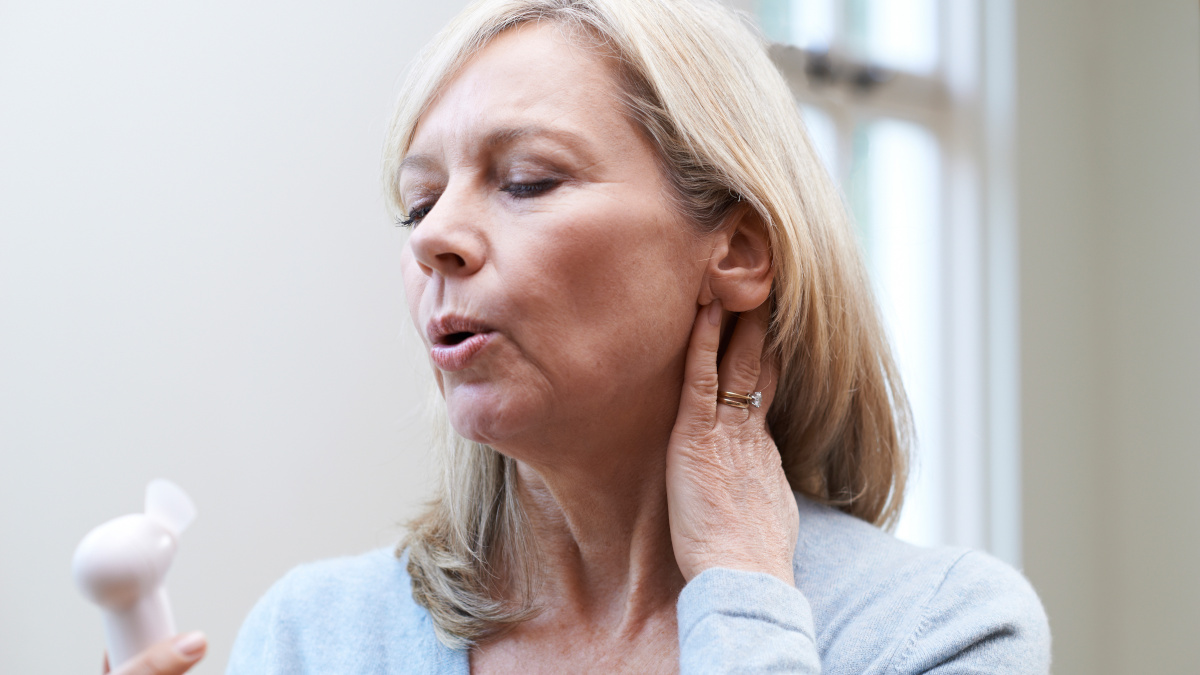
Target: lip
[(457, 356)]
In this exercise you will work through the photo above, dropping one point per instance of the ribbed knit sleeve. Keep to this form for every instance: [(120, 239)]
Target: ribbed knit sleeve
[(962, 613), (732, 621)]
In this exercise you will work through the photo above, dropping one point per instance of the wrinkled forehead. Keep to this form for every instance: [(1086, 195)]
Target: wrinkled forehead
[(531, 76)]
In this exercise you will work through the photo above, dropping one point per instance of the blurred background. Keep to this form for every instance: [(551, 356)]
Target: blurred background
[(198, 281)]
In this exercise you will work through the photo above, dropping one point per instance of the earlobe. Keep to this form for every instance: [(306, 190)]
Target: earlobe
[(740, 271)]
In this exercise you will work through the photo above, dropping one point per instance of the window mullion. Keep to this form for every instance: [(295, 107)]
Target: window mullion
[(946, 102)]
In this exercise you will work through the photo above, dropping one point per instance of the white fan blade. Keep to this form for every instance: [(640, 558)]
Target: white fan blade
[(168, 504)]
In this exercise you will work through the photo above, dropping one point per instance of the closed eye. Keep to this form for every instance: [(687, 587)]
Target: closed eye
[(517, 190), (415, 216), (526, 190)]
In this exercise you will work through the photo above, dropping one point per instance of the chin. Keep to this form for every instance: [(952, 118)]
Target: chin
[(487, 416)]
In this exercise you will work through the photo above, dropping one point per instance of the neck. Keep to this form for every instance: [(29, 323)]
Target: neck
[(602, 533)]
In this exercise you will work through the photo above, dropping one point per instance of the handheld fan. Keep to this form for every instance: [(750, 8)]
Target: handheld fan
[(121, 565)]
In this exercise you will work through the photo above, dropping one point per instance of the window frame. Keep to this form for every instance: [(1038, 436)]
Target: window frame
[(966, 104)]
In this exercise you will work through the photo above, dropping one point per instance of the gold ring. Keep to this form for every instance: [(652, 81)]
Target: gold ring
[(740, 400)]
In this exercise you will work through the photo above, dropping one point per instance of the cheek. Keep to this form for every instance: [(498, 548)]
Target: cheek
[(609, 255), (616, 294), (578, 282)]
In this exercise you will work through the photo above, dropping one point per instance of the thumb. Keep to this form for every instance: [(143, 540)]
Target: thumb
[(172, 656)]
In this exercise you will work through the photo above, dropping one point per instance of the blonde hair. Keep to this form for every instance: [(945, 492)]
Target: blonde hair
[(697, 80)]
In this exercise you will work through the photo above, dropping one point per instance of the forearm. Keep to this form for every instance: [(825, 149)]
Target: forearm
[(736, 621)]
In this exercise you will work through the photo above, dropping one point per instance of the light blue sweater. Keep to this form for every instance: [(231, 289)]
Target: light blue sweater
[(864, 602)]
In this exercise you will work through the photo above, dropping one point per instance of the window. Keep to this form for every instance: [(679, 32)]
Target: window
[(895, 97)]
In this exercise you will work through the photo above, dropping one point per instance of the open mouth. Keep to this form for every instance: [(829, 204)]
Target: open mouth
[(451, 329), (457, 338), (456, 351)]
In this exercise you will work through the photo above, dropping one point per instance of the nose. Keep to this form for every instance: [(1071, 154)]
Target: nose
[(448, 240)]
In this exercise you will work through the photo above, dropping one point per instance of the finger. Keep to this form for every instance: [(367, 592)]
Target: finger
[(106, 669), (698, 401), (742, 363), (172, 656)]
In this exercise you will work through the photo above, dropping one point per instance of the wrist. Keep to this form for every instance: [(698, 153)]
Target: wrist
[(781, 570)]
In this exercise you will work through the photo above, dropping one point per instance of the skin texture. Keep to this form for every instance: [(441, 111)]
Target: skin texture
[(540, 211)]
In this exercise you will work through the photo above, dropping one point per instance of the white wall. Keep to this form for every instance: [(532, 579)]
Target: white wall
[(198, 281), (1108, 177), (1150, 278)]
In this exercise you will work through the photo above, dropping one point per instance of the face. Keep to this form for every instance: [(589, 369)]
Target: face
[(553, 282)]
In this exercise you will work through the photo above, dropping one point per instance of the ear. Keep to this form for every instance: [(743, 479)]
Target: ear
[(739, 271)]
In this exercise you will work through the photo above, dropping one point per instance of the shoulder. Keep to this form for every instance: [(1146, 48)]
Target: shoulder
[(882, 604), (352, 614), (360, 590), (343, 581)]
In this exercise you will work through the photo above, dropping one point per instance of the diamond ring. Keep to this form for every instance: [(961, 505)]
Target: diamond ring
[(740, 400)]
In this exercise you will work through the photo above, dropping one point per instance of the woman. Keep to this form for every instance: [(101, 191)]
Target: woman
[(673, 421)]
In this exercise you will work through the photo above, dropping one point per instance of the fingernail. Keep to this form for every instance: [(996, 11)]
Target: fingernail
[(190, 645), (714, 312)]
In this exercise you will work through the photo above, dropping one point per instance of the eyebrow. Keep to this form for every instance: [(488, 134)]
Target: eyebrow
[(501, 137), (508, 135)]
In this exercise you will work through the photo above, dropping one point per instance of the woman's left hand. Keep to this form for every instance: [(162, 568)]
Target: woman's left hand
[(729, 502)]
